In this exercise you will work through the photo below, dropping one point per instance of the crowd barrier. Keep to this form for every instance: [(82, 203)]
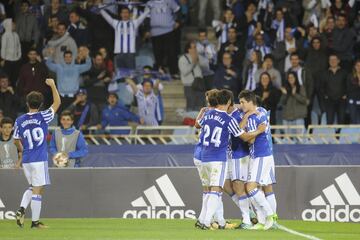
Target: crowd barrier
[(178, 135)]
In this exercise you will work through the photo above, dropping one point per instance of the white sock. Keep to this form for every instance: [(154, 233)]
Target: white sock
[(35, 207), (219, 214), (244, 205), (211, 207), (270, 197), (203, 207), (257, 197), (235, 199), (26, 198)]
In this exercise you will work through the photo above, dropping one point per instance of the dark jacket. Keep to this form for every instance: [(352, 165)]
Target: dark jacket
[(343, 43), (271, 102), (280, 53), (352, 88), (225, 81), (95, 85), (237, 56), (80, 34), (333, 86), (9, 104), (91, 116), (316, 62), (32, 78), (308, 82)]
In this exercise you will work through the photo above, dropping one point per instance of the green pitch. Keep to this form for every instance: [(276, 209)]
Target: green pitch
[(111, 229)]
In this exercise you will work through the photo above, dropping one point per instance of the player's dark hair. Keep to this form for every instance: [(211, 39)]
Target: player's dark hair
[(211, 97), (248, 95), (113, 94), (67, 113), (231, 97), (34, 100), (294, 54), (62, 24), (223, 97), (6, 120)]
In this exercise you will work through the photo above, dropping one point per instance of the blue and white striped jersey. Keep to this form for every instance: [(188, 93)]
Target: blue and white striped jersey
[(239, 148), (262, 147), (217, 128), (32, 129)]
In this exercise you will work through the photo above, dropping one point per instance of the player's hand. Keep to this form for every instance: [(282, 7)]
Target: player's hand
[(50, 82)]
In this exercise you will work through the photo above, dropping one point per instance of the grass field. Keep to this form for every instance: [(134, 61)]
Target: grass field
[(111, 229)]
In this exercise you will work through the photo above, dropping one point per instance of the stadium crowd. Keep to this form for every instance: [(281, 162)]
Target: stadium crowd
[(300, 57)]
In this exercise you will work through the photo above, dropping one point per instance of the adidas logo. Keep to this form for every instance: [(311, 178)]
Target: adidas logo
[(6, 214), (347, 197), (155, 196)]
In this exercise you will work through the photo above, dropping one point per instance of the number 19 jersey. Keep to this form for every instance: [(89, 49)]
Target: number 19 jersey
[(217, 128), (32, 129)]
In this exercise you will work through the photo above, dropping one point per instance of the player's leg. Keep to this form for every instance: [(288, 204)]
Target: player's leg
[(202, 175), (219, 214), (240, 170), (256, 196), (26, 198), (40, 178), (268, 188), (217, 180)]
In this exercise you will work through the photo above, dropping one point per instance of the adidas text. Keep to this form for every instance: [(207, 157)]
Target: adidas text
[(6, 214), (331, 214), (153, 213)]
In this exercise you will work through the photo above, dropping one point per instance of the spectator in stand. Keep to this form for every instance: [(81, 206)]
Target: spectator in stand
[(313, 11), (125, 37), (78, 30), (268, 66), (259, 46), (55, 10), (234, 46), (294, 102), (207, 54), (67, 76), (278, 25), (216, 8), (115, 115), (305, 79), (107, 60), (222, 27), (163, 22), (8, 100), (255, 30), (269, 95), (313, 32), (61, 43), (68, 140), (356, 28), (8, 152), (148, 104), (316, 62), (333, 89), (85, 113), (190, 69), (28, 29), (101, 33), (10, 51), (353, 94), (227, 75), (247, 22), (341, 7), (51, 29), (250, 68), (343, 42), (284, 49), (96, 82), (327, 31), (32, 77)]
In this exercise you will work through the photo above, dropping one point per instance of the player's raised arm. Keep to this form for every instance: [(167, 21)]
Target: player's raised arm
[(56, 97)]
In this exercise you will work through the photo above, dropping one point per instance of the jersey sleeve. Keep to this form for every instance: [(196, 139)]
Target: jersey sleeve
[(234, 128), (48, 115), (16, 134)]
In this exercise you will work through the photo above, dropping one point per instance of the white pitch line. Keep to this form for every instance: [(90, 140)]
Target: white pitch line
[(288, 230)]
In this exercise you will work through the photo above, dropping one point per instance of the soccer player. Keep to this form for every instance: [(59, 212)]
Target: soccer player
[(212, 103), (31, 130), (8, 153), (261, 164), (217, 126)]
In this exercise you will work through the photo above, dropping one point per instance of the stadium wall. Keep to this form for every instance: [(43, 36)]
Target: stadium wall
[(317, 193)]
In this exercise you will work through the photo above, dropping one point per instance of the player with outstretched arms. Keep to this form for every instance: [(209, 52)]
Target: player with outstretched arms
[(261, 165), (30, 133), (217, 126)]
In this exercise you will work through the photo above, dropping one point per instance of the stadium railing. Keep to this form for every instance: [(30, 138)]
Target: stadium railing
[(177, 135)]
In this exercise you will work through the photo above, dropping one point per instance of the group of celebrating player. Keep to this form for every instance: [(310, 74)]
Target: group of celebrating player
[(234, 155)]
